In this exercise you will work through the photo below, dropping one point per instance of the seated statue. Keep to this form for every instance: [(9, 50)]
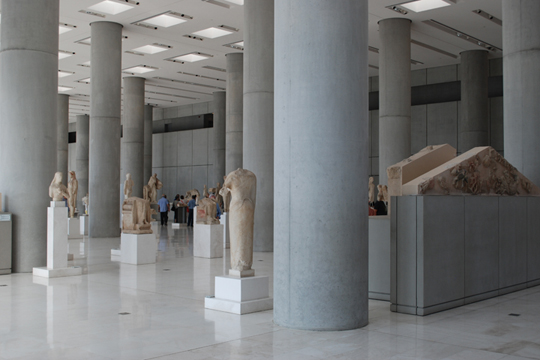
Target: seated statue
[(136, 216), (206, 212), (150, 190)]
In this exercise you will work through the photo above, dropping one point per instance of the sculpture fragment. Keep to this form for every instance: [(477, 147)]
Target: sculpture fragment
[(57, 190), (73, 186), (136, 216)]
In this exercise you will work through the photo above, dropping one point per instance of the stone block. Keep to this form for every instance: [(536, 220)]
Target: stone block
[(138, 249), (240, 295), (512, 241), (208, 241)]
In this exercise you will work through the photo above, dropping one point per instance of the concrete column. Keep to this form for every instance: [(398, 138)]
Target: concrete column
[(148, 121), (28, 122), (521, 72), (62, 138), (321, 144), (133, 134), (104, 166), (219, 137), (474, 114), (394, 93), (258, 134), (82, 144), (234, 123)]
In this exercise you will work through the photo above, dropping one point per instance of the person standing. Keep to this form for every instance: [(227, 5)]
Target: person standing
[(191, 205), (164, 209)]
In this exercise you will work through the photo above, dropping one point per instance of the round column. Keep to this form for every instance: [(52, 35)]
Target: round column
[(234, 122), (104, 166), (474, 114), (219, 137), (321, 145), (62, 132), (394, 94), (82, 145), (28, 122), (148, 116), (521, 72), (133, 134)]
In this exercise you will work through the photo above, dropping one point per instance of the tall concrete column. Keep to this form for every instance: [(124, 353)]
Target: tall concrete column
[(133, 134), (219, 136), (148, 116), (320, 143), (394, 93), (104, 166), (82, 145), (474, 114), (234, 122), (521, 72), (28, 122), (258, 154), (62, 132)]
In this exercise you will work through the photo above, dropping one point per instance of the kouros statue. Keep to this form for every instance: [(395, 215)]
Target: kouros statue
[(73, 186), (128, 186), (242, 186), (150, 190), (57, 190), (136, 216), (371, 187), (207, 212), (86, 202)]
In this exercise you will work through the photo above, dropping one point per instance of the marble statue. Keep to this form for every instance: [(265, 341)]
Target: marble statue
[(219, 198), (225, 196), (205, 192), (150, 190), (57, 190), (371, 187), (128, 186), (242, 186), (73, 186), (386, 198), (207, 212), (86, 202), (192, 192), (136, 216)]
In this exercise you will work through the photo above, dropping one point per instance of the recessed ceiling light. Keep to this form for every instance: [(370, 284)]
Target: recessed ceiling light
[(152, 49), (191, 57), (64, 28), (237, 2), (424, 5), (140, 69), (111, 7), (84, 81), (239, 45), (213, 32), (62, 54), (167, 19), (62, 88), (85, 41), (62, 73)]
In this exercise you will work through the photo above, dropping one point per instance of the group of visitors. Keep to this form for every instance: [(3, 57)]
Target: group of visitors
[(178, 202)]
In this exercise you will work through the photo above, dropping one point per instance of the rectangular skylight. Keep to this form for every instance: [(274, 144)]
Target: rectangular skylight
[(213, 32), (62, 73), (192, 57), (237, 2), (64, 28), (167, 19), (236, 45), (84, 81), (62, 88), (64, 54), (152, 48), (424, 5), (140, 69), (111, 7)]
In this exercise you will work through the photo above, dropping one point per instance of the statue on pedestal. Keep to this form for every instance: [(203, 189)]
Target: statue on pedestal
[(219, 198), (57, 190), (225, 196), (205, 192), (207, 212), (150, 190), (128, 186), (73, 186), (86, 202), (136, 216)]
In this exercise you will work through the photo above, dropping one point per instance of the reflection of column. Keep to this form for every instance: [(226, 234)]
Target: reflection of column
[(320, 258), (521, 69), (258, 154), (474, 114), (148, 114), (82, 158), (62, 131), (234, 122), (394, 94), (28, 116), (219, 137), (104, 174)]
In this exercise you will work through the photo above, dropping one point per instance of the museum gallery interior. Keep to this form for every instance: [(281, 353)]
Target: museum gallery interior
[(269, 179)]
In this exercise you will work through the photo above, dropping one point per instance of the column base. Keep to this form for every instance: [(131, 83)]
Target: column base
[(54, 273), (138, 249), (208, 241)]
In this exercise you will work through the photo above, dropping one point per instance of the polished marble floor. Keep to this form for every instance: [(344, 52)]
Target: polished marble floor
[(118, 311)]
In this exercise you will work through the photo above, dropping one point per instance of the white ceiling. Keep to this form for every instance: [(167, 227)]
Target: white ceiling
[(459, 16)]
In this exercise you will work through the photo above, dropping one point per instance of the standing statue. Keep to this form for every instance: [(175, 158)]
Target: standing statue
[(86, 202), (205, 192), (371, 187), (242, 185), (150, 190), (128, 186), (73, 186), (219, 198), (57, 190)]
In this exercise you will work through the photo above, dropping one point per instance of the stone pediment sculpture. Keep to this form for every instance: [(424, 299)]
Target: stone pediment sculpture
[(479, 171), (136, 216), (207, 212), (57, 190), (150, 190), (73, 186), (128, 186), (242, 186)]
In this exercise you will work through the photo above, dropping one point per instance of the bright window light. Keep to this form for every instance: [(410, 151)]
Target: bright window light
[(151, 49), (64, 88), (111, 7), (424, 5), (192, 57), (212, 33), (237, 2), (164, 20), (140, 69), (62, 73), (64, 54), (63, 29), (240, 43)]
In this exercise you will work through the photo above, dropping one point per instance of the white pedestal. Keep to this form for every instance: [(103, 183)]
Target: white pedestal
[(224, 220), (176, 225), (138, 249), (83, 219), (208, 241), (155, 227), (240, 295), (74, 228), (57, 244)]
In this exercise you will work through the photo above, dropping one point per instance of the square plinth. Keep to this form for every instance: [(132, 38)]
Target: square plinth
[(74, 228), (224, 220), (208, 241), (83, 219), (54, 273), (138, 249)]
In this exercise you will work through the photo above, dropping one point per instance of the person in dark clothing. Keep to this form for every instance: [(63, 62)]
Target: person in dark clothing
[(191, 205)]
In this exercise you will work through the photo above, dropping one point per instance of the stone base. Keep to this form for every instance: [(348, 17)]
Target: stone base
[(240, 296), (138, 249), (83, 219), (74, 228), (224, 220), (241, 274), (54, 273), (208, 241)]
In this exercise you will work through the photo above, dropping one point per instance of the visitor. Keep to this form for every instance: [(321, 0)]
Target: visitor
[(175, 206), (191, 205), (164, 209), (218, 209)]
